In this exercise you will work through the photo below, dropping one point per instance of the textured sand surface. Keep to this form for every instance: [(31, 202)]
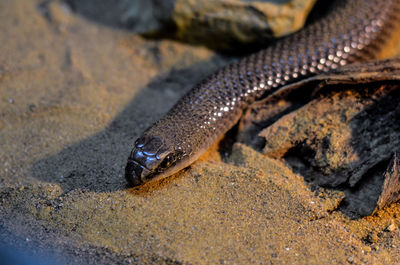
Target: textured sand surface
[(73, 97)]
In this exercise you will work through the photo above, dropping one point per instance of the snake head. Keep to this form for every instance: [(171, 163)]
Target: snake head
[(151, 158)]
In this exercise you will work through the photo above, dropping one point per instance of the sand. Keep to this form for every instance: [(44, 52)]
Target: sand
[(73, 97)]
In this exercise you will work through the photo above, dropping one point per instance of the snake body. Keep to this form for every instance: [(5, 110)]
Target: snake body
[(354, 30)]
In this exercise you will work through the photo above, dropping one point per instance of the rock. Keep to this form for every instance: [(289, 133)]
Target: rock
[(391, 227), (372, 238), (223, 25), (367, 249)]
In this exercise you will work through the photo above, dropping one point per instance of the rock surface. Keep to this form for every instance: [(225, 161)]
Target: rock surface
[(73, 97), (225, 25)]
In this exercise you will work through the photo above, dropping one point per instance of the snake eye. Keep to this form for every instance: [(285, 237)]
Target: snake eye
[(166, 162)]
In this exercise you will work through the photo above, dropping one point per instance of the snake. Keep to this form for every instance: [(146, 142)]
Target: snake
[(352, 31)]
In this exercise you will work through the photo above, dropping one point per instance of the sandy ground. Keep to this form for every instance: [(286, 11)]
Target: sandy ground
[(73, 97)]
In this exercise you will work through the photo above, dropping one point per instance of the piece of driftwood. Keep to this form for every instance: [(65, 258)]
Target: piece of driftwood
[(339, 130), (391, 185)]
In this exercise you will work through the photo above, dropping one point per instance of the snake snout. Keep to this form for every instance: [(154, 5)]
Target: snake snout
[(145, 159), (134, 173)]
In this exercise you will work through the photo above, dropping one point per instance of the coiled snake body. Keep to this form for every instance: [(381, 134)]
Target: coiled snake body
[(355, 30)]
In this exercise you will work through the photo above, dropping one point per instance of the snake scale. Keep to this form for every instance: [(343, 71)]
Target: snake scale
[(353, 31)]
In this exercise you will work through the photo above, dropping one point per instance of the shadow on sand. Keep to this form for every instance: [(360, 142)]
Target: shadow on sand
[(97, 163)]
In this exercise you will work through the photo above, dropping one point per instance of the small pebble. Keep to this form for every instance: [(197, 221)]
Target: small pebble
[(372, 237), (391, 227), (367, 249), (11, 101), (32, 107)]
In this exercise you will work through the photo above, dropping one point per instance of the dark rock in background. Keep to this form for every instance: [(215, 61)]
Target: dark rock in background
[(223, 25)]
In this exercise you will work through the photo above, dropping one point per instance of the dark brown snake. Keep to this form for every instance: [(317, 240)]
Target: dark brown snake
[(355, 30)]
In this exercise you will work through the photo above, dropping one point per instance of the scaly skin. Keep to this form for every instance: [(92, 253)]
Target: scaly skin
[(355, 30)]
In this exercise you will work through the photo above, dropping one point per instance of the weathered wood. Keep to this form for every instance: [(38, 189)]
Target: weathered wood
[(339, 130)]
